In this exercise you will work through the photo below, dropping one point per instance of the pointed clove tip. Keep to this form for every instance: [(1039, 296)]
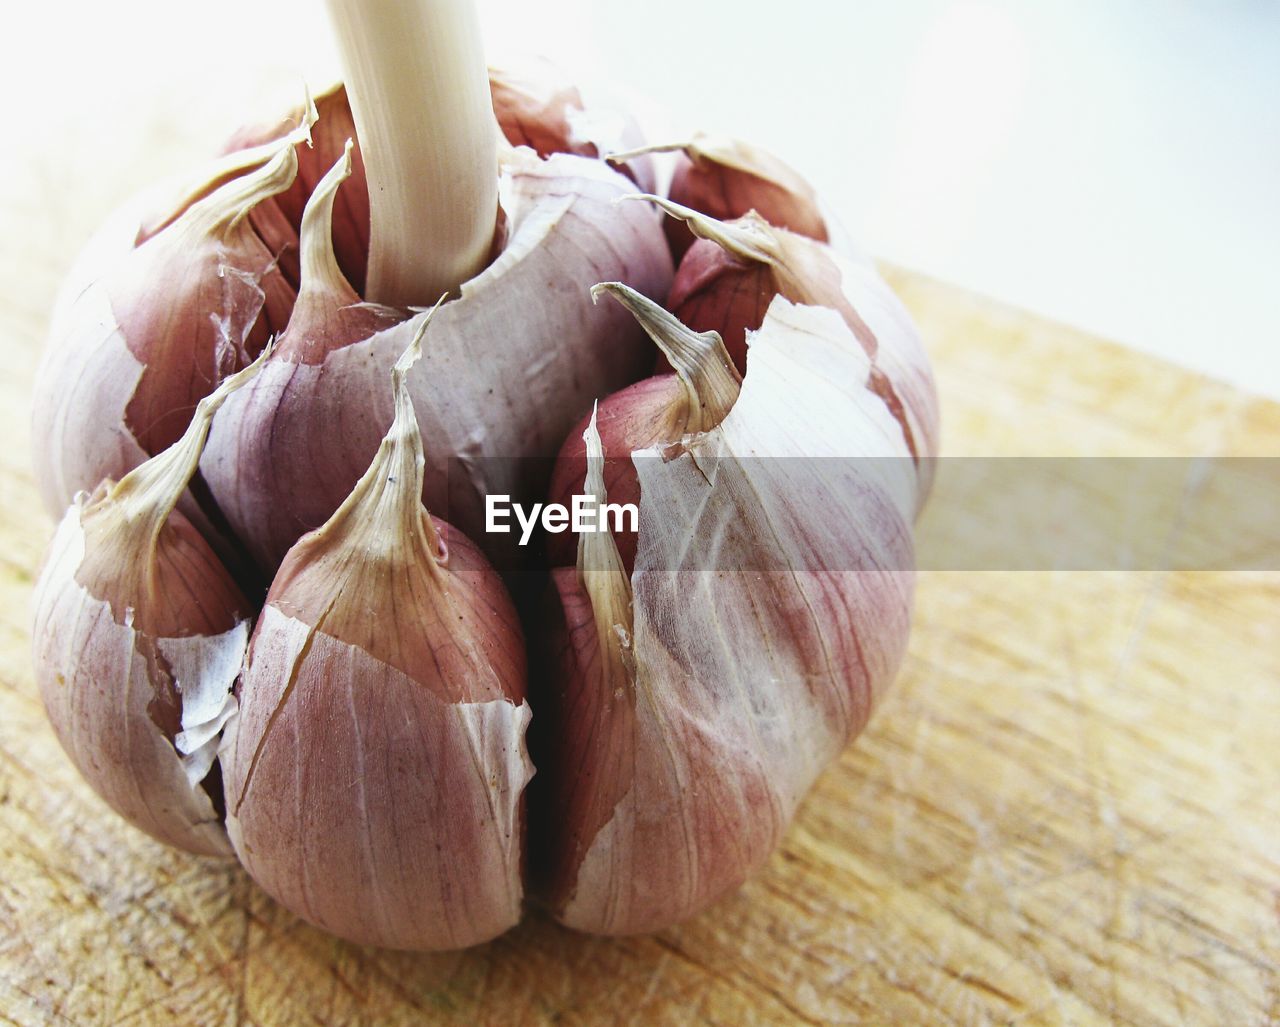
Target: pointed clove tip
[(209, 404), (333, 178), (661, 202), (623, 156), (345, 160), (637, 302), (312, 114), (413, 351), (600, 288)]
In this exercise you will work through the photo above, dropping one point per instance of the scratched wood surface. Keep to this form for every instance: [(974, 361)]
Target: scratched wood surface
[(1066, 812)]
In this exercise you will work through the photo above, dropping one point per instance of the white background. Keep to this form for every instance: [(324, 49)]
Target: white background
[(1110, 163)]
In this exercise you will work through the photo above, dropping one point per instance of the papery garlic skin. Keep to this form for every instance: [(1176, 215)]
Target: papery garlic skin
[(374, 778), (278, 219), (507, 368), (745, 682), (714, 291), (271, 501), (636, 417), (392, 811), (538, 107)]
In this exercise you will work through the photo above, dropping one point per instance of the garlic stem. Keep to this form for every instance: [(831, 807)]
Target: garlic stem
[(710, 380), (320, 273), (419, 91)]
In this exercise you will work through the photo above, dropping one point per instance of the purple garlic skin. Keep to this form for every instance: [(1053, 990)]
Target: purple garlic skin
[(376, 780), (139, 635)]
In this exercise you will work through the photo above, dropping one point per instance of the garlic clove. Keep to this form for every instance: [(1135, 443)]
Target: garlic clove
[(769, 611), (732, 272), (534, 105), (264, 456), (328, 313), (726, 178), (376, 770), (139, 634), (223, 298), (645, 414), (655, 412), (162, 325)]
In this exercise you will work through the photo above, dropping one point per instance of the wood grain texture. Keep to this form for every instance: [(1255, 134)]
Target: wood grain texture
[(1065, 813)]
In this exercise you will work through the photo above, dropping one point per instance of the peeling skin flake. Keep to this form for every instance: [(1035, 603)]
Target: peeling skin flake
[(242, 300), (205, 670), (900, 355)]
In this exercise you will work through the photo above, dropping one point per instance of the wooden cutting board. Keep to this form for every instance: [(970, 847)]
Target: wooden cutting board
[(1066, 812)]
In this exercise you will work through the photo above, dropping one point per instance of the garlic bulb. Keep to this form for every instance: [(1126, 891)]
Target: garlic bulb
[(139, 344), (375, 776), (694, 703), (139, 635), (730, 276), (691, 678), (651, 413)]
